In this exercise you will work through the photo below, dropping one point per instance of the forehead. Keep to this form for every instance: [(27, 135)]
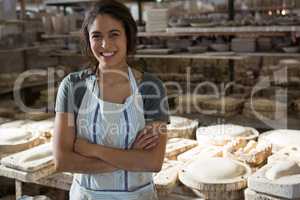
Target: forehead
[(105, 23)]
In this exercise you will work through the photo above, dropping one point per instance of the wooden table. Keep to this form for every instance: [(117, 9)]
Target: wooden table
[(61, 181)]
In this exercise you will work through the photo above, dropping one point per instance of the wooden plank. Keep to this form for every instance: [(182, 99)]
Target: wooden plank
[(58, 36), (23, 9), (16, 161), (293, 122), (25, 176), (208, 55), (27, 85), (66, 2), (194, 31), (18, 185), (176, 146), (236, 30), (270, 54), (61, 181)]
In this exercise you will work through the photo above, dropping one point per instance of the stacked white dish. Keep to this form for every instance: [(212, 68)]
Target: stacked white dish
[(157, 19), (243, 44)]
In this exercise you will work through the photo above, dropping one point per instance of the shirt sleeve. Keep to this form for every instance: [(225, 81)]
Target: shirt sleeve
[(156, 107), (64, 98)]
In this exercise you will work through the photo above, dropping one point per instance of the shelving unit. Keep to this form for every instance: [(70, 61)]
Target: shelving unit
[(228, 31)]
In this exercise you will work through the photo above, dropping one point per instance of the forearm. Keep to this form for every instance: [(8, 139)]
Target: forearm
[(75, 163), (132, 159)]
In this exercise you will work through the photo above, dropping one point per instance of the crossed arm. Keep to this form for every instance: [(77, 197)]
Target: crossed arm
[(78, 155)]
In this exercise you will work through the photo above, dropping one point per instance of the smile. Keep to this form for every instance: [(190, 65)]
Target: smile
[(108, 54)]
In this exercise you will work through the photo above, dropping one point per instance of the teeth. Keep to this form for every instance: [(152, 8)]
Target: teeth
[(108, 54)]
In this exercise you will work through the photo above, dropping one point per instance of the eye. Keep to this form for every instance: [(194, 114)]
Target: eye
[(95, 36), (114, 34)]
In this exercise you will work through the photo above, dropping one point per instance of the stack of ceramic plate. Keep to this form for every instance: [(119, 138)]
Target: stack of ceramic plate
[(243, 44), (189, 103), (264, 108), (220, 47), (264, 44), (181, 127), (157, 19), (197, 49), (227, 106), (291, 49), (292, 66), (178, 44)]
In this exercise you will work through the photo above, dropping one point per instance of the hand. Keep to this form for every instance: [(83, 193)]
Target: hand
[(82, 146), (146, 139)]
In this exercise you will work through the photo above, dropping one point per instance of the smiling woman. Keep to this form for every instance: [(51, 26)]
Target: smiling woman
[(110, 124), (120, 28)]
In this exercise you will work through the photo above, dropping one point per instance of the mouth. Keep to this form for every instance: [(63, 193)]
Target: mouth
[(107, 54)]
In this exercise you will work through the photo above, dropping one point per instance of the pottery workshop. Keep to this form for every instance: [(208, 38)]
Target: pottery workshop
[(149, 99)]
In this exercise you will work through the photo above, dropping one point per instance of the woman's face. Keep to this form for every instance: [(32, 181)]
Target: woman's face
[(108, 41)]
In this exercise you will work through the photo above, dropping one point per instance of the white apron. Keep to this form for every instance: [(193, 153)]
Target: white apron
[(114, 125)]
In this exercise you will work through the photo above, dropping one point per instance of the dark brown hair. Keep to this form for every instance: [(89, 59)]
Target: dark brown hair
[(116, 10)]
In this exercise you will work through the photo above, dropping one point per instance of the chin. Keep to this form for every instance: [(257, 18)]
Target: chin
[(112, 64)]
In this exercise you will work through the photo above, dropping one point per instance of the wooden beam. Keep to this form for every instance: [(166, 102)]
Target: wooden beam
[(23, 9)]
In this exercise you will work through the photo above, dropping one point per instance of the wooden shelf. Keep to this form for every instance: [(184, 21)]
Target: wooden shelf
[(293, 122), (59, 36), (12, 22), (66, 2), (248, 30), (24, 86), (208, 55), (197, 31), (18, 49), (73, 2), (270, 54), (28, 48), (163, 34)]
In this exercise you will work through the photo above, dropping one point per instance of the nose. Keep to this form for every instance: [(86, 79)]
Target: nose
[(105, 43)]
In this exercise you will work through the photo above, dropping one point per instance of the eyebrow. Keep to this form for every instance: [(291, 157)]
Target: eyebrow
[(98, 32), (114, 30)]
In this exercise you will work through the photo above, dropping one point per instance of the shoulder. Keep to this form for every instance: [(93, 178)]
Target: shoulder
[(76, 77)]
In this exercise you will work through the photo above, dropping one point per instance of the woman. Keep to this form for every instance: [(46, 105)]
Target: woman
[(110, 124)]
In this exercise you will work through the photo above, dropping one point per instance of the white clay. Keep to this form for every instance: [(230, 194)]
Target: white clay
[(282, 138), (251, 145), (214, 169), (44, 153), (10, 136), (220, 135), (281, 169)]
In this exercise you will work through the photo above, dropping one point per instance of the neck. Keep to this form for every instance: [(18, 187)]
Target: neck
[(120, 67), (113, 74)]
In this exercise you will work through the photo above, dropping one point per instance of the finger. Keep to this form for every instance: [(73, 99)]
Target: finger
[(151, 146), (147, 137), (150, 140), (142, 133), (138, 137)]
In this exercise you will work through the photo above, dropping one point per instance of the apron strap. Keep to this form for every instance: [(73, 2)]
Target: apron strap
[(133, 83)]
